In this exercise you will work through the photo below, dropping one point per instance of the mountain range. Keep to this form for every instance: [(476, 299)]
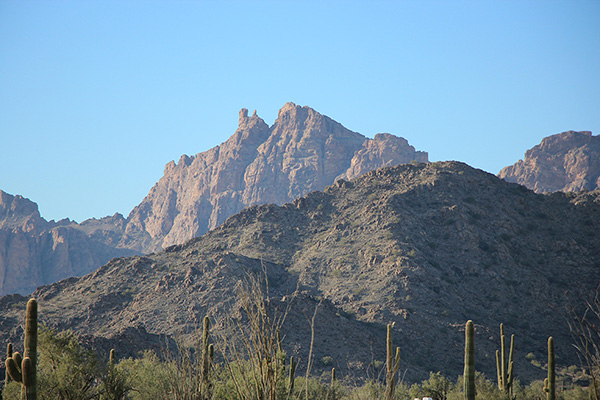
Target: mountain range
[(423, 246), (367, 228), (302, 151)]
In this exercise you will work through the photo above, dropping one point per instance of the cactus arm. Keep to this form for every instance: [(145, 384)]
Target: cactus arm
[(111, 357), (13, 370), (397, 362), (9, 354), (510, 361), (27, 368), (206, 358), (18, 359)]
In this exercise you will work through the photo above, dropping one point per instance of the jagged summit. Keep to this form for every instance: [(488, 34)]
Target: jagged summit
[(568, 161), (287, 107), (301, 152), (14, 207)]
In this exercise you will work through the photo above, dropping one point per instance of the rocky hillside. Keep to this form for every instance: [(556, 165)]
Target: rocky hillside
[(568, 161), (34, 251), (425, 247), (301, 152)]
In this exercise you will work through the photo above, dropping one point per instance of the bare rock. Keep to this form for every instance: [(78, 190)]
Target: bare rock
[(384, 150), (34, 251), (302, 152), (568, 161)]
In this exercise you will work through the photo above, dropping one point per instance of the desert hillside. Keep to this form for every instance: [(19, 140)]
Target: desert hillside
[(425, 247)]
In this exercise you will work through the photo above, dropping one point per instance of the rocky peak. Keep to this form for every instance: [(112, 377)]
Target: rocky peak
[(301, 152), (287, 107), (382, 151), (243, 114), (16, 207), (568, 161)]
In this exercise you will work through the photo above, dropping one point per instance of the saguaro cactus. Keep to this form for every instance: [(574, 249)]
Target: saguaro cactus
[(206, 352), (392, 364), (331, 394), (112, 358), (504, 367), (291, 377), (206, 360), (549, 382), (469, 374), (24, 371)]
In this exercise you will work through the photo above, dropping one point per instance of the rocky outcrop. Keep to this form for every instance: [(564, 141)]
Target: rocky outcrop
[(568, 161), (384, 150), (302, 152), (34, 251)]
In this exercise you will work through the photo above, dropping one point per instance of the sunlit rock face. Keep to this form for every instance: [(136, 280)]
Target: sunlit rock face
[(34, 251), (301, 152), (568, 162)]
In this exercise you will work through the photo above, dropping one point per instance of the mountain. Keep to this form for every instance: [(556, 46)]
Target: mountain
[(423, 246), (302, 151), (34, 251), (568, 161)]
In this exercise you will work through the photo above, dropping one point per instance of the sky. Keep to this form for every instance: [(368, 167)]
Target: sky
[(97, 96)]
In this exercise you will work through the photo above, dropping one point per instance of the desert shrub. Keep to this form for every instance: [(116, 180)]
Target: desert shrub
[(12, 391), (484, 389), (368, 391), (66, 370), (437, 387), (151, 378), (116, 383), (374, 390)]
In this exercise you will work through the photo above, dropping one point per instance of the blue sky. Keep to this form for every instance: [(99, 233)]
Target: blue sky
[(97, 96)]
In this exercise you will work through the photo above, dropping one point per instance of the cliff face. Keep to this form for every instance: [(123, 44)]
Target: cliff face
[(302, 152), (568, 161), (34, 251)]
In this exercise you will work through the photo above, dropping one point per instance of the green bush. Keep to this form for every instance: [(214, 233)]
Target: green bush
[(151, 379)]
